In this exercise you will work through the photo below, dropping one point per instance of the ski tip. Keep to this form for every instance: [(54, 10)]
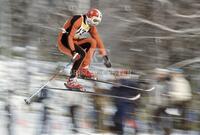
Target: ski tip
[(136, 97), (152, 88)]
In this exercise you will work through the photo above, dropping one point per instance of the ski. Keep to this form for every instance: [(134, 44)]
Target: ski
[(97, 94), (117, 84)]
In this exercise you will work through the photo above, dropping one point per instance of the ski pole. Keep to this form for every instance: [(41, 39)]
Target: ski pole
[(28, 100)]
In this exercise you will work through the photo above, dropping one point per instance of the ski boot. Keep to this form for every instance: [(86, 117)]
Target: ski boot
[(85, 73), (73, 84)]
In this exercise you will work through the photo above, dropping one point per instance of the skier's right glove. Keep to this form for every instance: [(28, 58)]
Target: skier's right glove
[(107, 62)]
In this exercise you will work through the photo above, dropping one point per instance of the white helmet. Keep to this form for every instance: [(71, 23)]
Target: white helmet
[(94, 17)]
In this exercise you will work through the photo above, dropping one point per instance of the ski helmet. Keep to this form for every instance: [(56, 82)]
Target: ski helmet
[(94, 17)]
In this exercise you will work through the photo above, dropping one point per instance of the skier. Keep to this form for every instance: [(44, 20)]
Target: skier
[(72, 40)]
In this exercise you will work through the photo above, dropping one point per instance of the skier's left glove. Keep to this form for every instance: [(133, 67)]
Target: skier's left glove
[(107, 61)]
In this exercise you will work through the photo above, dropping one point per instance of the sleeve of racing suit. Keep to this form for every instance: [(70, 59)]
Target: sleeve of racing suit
[(100, 45)]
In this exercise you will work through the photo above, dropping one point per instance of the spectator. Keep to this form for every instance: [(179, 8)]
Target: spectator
[(9, 114), (180, 94), (159, 100), (125, 108)]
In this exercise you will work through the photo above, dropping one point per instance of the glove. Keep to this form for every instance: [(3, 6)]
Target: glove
[(106, 61)]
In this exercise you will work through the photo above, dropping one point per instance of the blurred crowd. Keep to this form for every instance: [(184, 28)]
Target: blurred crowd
[(166, 109)]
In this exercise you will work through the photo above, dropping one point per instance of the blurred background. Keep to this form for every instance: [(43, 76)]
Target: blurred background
[(151, 43)]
